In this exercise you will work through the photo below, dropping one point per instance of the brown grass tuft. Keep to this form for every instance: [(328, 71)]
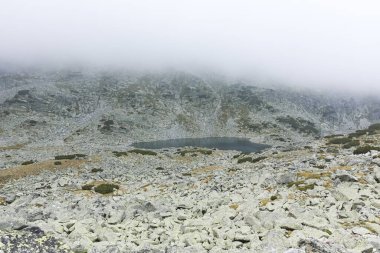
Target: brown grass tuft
[(13, 147), (36, 168)]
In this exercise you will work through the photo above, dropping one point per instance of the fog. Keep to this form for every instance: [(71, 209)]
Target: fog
[(310, 43)]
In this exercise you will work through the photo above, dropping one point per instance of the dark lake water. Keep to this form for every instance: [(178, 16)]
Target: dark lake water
[(222, 143)]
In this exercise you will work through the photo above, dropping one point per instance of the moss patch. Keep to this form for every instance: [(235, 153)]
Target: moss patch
[(313, 175), (33, 169), (365, 149), (234, 206), (351, 144), (69, 157), (119, 153), (134, 151), (343, 140), (142, 152), (106, 188), (195, 151), (299, 124), (251, 160), (88, 187), (13, 147), (28, 162), (301, 186)]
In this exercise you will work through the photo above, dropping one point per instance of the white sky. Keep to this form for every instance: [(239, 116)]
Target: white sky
[(324, 43)]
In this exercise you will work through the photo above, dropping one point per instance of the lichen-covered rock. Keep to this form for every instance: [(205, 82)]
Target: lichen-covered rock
[(30, 239)]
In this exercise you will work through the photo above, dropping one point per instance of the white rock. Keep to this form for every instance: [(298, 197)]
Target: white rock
[(360, 231), (116, 216)]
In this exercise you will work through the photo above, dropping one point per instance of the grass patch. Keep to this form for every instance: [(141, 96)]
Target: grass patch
[(33, 169), (313, 175), (234, 206), (306, 187), (353, 143), (194, 151), (106, 188), (365, 149), (299, 124), (264, 202), (333, 136), (142, 152), (13, 147), (28, 162), (374, 127), (251, 160), (301, 186), (244, 160), (134, 151), (358, 133), (258, 159), (273, 198), (343, 140), (69, 157), (119, 153), (88, 187)]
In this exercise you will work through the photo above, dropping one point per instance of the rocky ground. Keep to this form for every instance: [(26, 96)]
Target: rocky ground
[(71, 182), (323, 197)]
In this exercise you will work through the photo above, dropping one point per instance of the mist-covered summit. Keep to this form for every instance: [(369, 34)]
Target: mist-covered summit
[(70, 106)]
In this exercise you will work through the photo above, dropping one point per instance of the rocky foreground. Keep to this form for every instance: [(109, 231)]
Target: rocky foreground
[(323, 197)]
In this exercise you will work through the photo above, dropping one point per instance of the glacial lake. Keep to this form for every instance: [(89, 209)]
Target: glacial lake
[(223, 143)]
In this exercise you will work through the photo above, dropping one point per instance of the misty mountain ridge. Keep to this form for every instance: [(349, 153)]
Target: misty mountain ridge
[(127, 106)]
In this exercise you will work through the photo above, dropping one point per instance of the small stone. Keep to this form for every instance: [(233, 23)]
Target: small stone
[(116, 217)]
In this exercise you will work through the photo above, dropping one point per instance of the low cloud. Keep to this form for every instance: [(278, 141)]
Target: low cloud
[(310, 43)]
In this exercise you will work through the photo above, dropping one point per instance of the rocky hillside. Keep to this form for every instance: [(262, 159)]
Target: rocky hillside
[(321, 198), (120, 107)]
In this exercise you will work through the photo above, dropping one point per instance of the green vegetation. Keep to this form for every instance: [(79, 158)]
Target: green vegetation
[(106, 188), (28, 162), (88, 187), (135, 151), (333, 136), (351, 144), (187, 122), (273, 198), (299, 124), (119, 153), (343, 140), (357, 134), (365, 149), (374, 127), (142, 152), (245, 159), (193, 151), (301, 186), (251, 160), (258, 159), (69, 157)]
